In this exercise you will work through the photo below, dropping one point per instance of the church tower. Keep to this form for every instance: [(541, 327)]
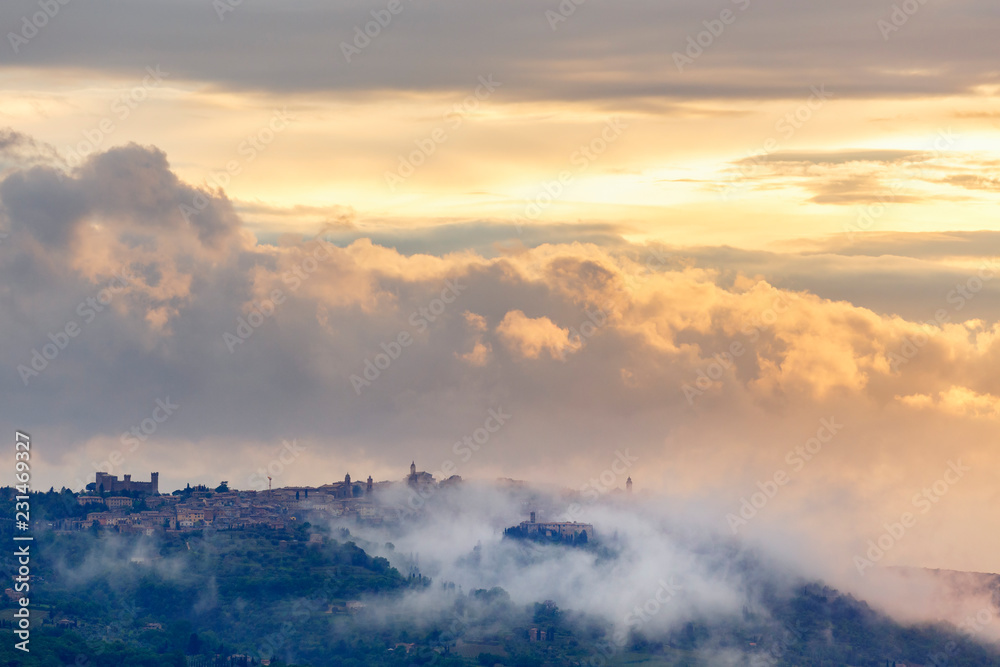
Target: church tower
[(369, 487), (413, 469), (628, 485)]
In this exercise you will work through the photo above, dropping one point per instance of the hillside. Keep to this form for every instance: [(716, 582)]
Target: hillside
[(183, 600)]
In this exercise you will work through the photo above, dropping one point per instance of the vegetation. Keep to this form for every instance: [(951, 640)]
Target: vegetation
[(521, 533), (207, 599)]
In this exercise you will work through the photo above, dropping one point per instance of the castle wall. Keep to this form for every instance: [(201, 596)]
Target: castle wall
[(112, 484)]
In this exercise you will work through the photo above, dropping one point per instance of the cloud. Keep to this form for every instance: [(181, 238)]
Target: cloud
[(863, 177), (18, 150), (589, 347), (975, 182), (601, 52), (480, 353), (841, 157), (657, 565), (958, 401), (529, 337)]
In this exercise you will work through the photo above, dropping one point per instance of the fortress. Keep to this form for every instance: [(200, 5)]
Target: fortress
[(557, 530), (109, 484)]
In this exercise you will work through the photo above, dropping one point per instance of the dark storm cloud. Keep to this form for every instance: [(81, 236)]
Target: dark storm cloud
[(45, 203), (603, 50), (131, 185)]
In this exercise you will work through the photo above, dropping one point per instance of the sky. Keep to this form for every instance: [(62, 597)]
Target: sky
[(727, 243)]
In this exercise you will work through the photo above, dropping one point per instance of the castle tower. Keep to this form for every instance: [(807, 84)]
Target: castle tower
[(154, 478), (413, 469), (369, 487), (102, 482), (628, 485)]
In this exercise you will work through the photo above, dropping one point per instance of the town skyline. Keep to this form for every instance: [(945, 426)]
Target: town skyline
[(745, 254)]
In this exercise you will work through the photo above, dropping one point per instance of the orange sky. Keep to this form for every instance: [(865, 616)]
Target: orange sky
[(812, 195)]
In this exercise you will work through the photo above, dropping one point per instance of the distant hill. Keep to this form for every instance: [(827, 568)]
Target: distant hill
[(316, 598)]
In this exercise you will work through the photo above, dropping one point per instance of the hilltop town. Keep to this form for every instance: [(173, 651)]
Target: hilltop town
[(129, 506)]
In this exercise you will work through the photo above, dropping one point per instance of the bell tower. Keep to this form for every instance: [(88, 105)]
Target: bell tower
[(628, 485)]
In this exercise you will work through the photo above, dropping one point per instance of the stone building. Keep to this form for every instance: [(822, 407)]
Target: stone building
[(563, 529), (115, 502), (106, 483)]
